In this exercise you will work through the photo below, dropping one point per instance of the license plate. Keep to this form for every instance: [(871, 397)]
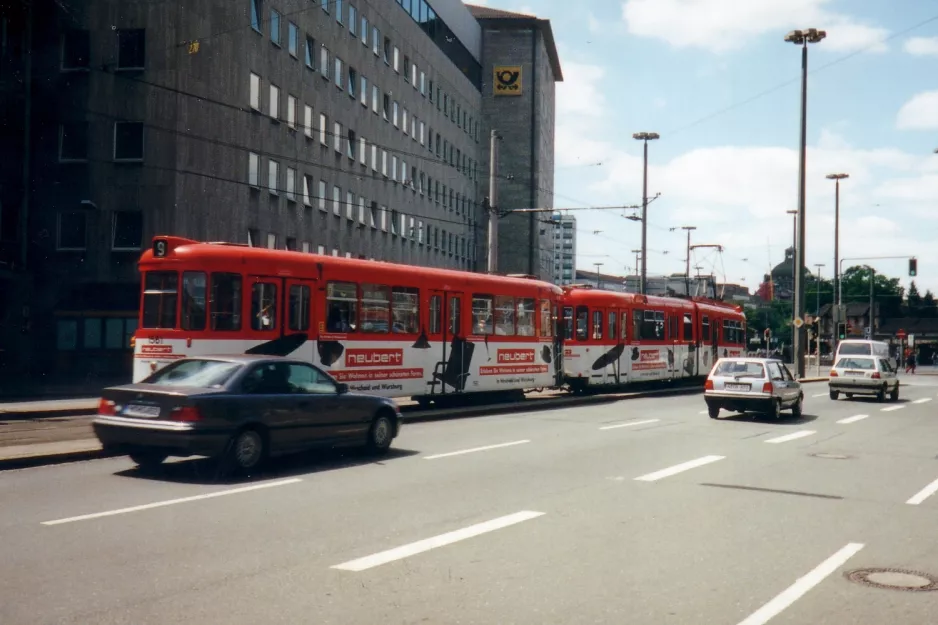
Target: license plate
[(857, 373), (738, 387), (139, 410)]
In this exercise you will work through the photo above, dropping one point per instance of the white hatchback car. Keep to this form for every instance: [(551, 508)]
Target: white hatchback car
[(752, 385), (864, 375)]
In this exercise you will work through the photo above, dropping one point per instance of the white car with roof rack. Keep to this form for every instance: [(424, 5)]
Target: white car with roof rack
[(752, 385)]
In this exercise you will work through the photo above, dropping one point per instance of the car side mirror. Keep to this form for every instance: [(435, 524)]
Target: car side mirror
[(341, 388)]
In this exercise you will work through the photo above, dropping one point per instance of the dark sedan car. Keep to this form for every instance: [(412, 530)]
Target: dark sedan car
[(241, 409)]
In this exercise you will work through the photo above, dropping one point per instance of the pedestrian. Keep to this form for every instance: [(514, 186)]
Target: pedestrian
[(910, 362)]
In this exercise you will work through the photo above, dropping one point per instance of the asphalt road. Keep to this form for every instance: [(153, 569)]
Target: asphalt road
[(552, 517)]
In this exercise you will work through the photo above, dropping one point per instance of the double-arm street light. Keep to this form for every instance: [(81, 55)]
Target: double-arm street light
[(802, 38), (644, 137)]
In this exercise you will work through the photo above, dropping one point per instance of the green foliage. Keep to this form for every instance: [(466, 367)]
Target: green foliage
[(887, 292)]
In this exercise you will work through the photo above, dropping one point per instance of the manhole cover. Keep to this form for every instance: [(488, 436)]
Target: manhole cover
[(894, 579), (831, 456)]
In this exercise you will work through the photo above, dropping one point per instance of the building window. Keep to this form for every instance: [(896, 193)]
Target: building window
[(337, 137), (403, 119), (352, 144), (374, 157), (308, 120), (274, 102), (324, 62), (73, 142), (325, 5), (72, 226), (271, 245), (256, 15), (374, 98), (293, 39), (336, 200), (394, 117), (127, 231), (308, 53), (352, 21), (350, 205), (273, 176), (128, 141), (338, 10), (275, 27), (422, 136), (397, 60), (338, 72), (291, 245), (131, 48), (291, 112), (291, 184), (364, 31), (76, 46), (322, 196), (386, 109), (423, 83), (352, 81), (364, 91), (305, 245), (375, 36), (307, 190), (255, 92), (254, 166), (387, 51), (323, 124), (362, 151)]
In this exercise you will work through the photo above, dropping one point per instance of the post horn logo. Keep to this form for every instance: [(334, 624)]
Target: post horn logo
[(507, 80)]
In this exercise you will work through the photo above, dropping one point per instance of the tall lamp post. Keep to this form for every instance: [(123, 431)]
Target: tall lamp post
[(645, 137), (599, 276), (837, 178), (817, 318), (687, 264), (802, 38)]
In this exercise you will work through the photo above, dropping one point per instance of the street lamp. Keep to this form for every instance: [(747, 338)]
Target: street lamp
[(837, 178), (818, 316), (644, 137), (599, 276), (802, 38), (687, 270)]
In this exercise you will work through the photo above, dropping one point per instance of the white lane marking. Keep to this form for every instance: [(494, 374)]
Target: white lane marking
[(475, 449), (922, 400), (797, 590), (891, 408), (821, 395), (854, 418), (442, 540), (791, 437), (678, 468), (924, 494), (170, 502), (704, 412), (629, 424)]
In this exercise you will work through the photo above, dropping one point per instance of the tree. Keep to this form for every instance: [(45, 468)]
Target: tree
[(888, 293), (929, 309), (914, 300)]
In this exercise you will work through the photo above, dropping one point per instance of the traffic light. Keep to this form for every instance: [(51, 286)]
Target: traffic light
[(913, 267), (842, 331)]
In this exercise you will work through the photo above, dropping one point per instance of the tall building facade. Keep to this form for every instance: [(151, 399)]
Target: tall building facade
[(342, 127), (519, 72), (564, 251)]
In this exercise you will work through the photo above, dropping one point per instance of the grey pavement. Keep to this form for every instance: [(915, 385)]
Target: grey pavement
[(544, 523)]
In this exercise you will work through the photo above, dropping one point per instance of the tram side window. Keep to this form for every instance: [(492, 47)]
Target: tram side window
[(568, 323), (482, 314), (582, 323), (674, 332), (611, 326), (299, 308), (455, 315), (597, 325), (342, 307), (264, 306), (705, 325), (546, 329), (688, 327), (623, 324), (193, 300), (436, 314), (405, 310), (733, 332), (376, 310), (504, 315), (225, 304), (525, 316), (638, 317), (653, 325), (160, 293)]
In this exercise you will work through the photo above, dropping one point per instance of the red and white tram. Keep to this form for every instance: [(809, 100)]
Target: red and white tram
[(386, 329), (615, 338)]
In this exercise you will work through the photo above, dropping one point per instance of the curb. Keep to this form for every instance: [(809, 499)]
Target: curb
[(39, 460), (37, 415)]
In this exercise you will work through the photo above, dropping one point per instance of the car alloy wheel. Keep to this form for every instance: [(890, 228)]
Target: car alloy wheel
[(248, 449), (381, 434)]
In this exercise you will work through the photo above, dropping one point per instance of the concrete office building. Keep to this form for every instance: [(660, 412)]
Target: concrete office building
[(564, 251), (344, 127), (520, 68)]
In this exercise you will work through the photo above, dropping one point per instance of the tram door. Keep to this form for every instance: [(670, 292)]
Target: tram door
[(447, 328)]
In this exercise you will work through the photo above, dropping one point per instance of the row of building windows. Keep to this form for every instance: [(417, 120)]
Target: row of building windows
[(130, 49), (72, 230), (358, 26), (127, 142)]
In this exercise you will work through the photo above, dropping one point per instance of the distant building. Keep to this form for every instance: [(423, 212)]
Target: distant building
[(564, 249), (604, 281)]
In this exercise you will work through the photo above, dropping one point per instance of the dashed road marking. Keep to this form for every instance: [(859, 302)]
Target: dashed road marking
[(791, 437), (853, 419), (629, 424), (678, 468), (475, 449)]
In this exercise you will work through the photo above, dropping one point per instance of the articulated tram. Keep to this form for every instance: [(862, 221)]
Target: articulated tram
[(402, 331)]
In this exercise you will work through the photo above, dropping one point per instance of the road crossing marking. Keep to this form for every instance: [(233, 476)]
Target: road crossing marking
[(791, 437), (853, 419), (405, 551), (922, 400), (475, 449), (924, 494), (678, 468), (801, 587), (629, 424), (892, 408), (170, 502), (820, 395)]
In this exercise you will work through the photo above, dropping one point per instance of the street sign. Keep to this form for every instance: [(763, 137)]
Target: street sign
[(798, 322), (900, 334), (866, 332), (911, 340)]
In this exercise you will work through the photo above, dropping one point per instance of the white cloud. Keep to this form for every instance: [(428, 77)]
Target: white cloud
[(724, 25), (580, 107), (922, 46), (919, 113)]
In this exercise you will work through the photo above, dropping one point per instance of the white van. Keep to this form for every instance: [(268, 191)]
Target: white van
[(859, 347)]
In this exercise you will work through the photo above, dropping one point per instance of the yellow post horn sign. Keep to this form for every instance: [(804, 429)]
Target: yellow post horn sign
[(507, 79)]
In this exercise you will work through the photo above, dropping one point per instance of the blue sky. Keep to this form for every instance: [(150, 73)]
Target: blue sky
[(666, 65)]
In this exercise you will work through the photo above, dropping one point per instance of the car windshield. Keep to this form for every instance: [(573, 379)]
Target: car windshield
[(740, 369), (865, 364), (193, 372), (855, 349)]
